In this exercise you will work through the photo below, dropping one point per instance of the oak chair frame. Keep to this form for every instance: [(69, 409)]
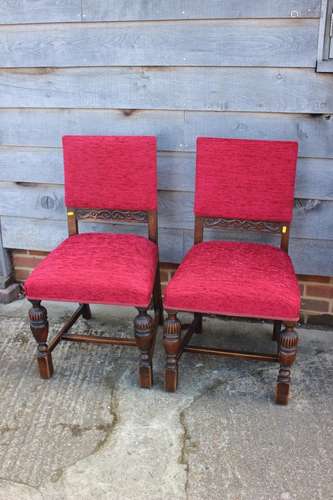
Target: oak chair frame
[(287, 339), (145, 327)]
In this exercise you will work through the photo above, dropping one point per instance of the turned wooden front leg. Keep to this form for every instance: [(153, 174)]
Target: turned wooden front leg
[(40, 329), (172, 344), (144, 335), (288, 341)]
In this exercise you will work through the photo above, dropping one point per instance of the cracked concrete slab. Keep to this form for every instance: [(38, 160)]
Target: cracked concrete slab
[(90, 432)]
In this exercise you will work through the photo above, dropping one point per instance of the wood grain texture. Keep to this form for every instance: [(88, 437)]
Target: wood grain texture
[(45, 235), (216, 89), (312, 218), (175, 170), (39, 11), (175, 130), (123, 10), (277, 43)]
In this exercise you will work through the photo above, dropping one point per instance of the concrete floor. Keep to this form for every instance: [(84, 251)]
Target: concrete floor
[(91, 433)]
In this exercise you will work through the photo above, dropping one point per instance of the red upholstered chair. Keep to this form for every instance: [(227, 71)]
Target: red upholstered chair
[(240, 184), (108, 179)]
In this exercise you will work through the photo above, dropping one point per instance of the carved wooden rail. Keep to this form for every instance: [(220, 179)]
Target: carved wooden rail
[(246, 225), (111, 215)]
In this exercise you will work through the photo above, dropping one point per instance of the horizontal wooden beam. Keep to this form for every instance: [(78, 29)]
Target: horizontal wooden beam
[(122, 10), (311, 219), (45, 235), (249, 89), (310, 256), (175, 130), (94, 339), (65, 328), (48, 11), (40, 11), (231, 354), (272, 43)]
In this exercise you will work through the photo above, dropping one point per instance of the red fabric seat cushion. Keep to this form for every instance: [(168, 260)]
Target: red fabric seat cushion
[(235, 279), (115, 172), (245, 179), (97, 268)]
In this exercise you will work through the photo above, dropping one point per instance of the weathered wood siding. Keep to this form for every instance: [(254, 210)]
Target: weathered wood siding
[(175, 69)]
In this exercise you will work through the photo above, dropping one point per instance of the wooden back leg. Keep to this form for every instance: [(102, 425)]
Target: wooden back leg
[(40, 329), (86, 312), (276, 330), (198, 322), (157, 297)]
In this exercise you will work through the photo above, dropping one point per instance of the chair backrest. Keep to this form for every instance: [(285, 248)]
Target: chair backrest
[(110, 172), (245, 179)]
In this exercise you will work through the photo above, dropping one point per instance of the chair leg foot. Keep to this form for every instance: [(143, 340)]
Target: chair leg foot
[(146, 377), (171, 379), (172, 344), (45, 365), (40, 328), (282, 393), (288, 341), (144, 335), (86, 312)]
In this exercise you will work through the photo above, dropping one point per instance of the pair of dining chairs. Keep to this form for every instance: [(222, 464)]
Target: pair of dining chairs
[(240, 184)]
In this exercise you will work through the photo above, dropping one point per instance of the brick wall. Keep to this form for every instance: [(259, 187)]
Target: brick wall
[(317, 291)]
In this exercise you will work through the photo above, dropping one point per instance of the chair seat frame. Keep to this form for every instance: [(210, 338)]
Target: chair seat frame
[(145, 326), (287, 338)]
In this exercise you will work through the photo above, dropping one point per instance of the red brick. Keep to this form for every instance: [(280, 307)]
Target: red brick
[(37, 252), (315, 305), (301, 289), (20, 252), (22, 274), (168, 266), (27, 261), (314, 279), (164, 275), (323, 291)]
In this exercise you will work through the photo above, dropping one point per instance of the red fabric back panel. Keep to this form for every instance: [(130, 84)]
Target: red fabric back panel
[(110, 172), (245, 179)]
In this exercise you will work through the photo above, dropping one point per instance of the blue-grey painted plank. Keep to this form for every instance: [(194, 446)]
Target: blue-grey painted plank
[(39, 11), (44, 127), (45, 165), (312, 218), (36, 127), (216, 89), (309, 256), (312, 132), (124, 10), (45, 235), (277, 43)]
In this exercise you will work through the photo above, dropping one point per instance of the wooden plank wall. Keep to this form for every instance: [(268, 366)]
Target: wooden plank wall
[(177, 70)]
